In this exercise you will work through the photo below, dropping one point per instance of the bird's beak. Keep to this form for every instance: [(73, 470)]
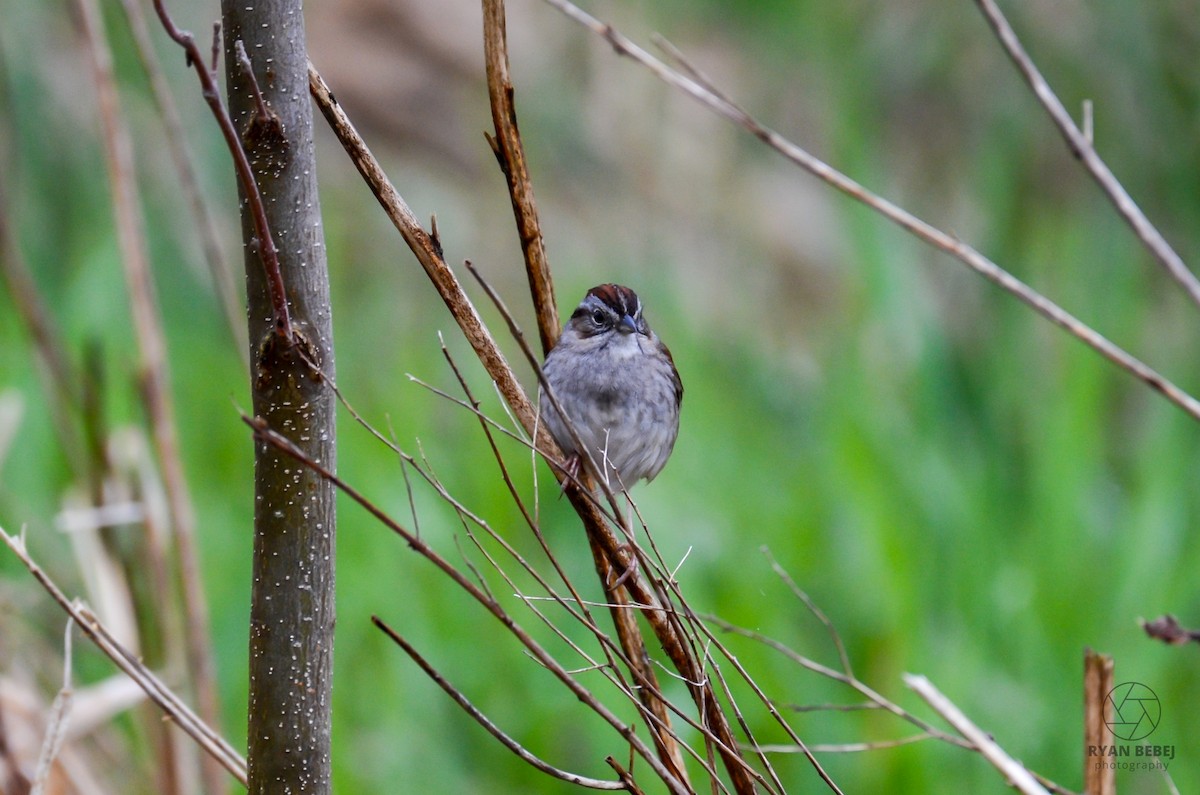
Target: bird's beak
[(627, 325)]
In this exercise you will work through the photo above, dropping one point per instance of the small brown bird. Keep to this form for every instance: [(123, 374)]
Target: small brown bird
[(617, 382)]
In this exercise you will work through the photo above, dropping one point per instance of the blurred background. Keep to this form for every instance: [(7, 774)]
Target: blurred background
[(966, 491)]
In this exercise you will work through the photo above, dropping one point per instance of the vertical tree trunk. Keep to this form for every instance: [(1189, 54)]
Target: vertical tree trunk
[(292, 605)]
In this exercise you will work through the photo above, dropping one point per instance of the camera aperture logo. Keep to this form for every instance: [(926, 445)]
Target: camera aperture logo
[(1136, 713)]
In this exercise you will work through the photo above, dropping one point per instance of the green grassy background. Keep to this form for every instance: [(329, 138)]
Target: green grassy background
[(966, 491)]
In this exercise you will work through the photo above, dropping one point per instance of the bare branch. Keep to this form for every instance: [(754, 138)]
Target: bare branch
[(510, 154), (812, 608), (267, 251), (1014, 772), (483, 720), (160, 694), (206, 229), (897, 215), (1080, 144), (154, 372), (281, 443), (426, 251)]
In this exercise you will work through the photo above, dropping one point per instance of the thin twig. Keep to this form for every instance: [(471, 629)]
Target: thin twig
[(832, 673), (154, 372), (865, 706), (846, 748), (268, 436), (267, 251), (56, 721), (1080, 144), (1014, 772), (484, 721), (819, 614), (752, 742), (771, 709), (176, 140), (606, 546), (174, 707), (897, 215), (243, 62), (510, 154)]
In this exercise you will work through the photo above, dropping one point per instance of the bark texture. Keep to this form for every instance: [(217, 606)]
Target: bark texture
[(292, 604)]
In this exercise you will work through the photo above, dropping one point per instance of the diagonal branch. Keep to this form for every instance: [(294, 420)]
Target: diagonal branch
[(267, 251), (428, 252), (713, 100), (1014, 772), (1080, 144), (484, 721), (266, 435), (131, 664)]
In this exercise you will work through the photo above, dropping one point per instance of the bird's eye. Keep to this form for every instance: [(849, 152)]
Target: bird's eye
[(598, 317)]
